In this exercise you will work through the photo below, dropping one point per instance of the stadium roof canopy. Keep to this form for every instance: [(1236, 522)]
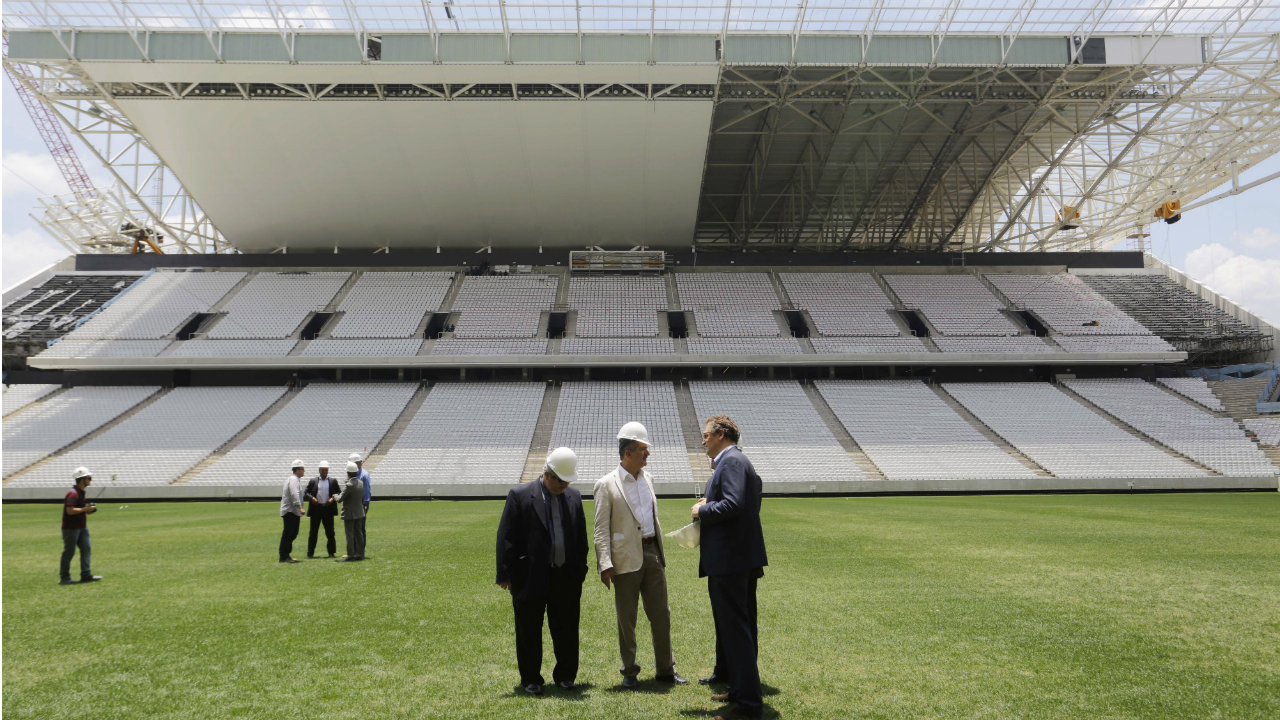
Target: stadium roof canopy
[(824, 126)]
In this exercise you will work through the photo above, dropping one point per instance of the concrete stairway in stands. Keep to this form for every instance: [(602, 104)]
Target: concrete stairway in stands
[(238, 438), (841, 434), (1240, 397), (101, 429), (397, 428), (541, 442), (1132, 430), (989, 434), (691, 427)]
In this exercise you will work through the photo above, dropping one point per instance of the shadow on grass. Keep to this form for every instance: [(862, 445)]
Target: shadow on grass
[(765, 690), (768, 713), (577, 693), (647, 687)]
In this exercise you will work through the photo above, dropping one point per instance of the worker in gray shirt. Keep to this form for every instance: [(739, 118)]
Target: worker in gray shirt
[(352, 501), (291, 512)]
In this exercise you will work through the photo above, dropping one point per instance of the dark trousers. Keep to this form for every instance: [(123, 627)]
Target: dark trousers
[(363, 533), (733, 603), (331, 541), (562, 608), (71, 539), (720, 671), (354, 530), (291, 524)]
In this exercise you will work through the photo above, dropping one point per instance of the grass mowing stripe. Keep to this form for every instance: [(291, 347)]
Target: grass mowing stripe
[(1019, 606)]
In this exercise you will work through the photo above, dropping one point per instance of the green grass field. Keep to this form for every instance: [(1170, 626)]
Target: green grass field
[(994, 607)]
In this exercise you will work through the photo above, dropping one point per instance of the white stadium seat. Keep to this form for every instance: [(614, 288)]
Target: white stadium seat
[(497, 306), (376, 347), (782, 433), (162, 441), (390, 304), (1066, 304), (954, 304), (233, 348), (466, 433), (1212, 441), (513, 346), (733, 305), (324, 422), (911, 434), (41, 431), (17, 397), (1195, 389), (155, 306), (1063, 436), (842, 304), (616, 307), (273, 305), (590, 414)]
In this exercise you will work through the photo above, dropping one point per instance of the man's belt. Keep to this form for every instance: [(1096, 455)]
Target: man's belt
[(650, 540)]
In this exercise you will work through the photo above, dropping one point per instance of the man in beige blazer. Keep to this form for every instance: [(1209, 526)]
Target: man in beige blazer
[(629, 555)]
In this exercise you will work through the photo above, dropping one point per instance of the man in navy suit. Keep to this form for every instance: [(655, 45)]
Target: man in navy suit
[(732, 559)]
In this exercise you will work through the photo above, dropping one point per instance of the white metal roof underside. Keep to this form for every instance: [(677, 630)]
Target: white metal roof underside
[(912, 17), (823, 126)]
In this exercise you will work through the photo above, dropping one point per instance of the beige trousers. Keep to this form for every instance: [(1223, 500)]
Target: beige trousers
[(650, 584)]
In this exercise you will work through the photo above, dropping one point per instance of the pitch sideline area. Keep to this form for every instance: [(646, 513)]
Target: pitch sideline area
[(895, 607)]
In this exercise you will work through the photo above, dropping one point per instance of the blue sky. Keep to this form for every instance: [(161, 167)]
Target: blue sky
[(1232, 246)]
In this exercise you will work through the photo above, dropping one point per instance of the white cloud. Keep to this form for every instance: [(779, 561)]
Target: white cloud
[(1260, 238), (1252, 282), (27, 252), (25, 173)]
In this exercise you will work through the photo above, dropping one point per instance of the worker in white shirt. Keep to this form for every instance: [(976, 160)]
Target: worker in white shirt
[(628, 540), (290, 512)]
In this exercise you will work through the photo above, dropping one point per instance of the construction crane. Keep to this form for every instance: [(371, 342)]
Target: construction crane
[(64, 154), (68, 162)]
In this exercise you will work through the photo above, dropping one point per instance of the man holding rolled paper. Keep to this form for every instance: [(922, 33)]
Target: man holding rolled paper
[(629, 557), (732, 559)]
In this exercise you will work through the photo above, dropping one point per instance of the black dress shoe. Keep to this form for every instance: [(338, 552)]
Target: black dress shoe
[(630, 682), (310, 556), (331, 556), (290, 560), (711, 680), (565, 685), (674, 679), (90, 578), (67, 581), (533, 689)]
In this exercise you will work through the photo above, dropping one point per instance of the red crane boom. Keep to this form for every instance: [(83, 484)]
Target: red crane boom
[(50, 129)]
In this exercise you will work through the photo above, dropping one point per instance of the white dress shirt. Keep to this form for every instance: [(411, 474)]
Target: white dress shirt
[(641, 501), (715, 461), (322, 491)]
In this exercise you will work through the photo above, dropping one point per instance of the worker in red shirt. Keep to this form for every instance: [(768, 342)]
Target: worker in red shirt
[(75, 530)]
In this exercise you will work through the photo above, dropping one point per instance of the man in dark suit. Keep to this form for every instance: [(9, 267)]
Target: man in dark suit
[(321, 498), (542, 560), (732, 559)]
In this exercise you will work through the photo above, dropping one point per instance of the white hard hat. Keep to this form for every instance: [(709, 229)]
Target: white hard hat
[(81, 472), (296, 464), (324, 464), (563, 462), (352, 467), (634, 431), (355, 457)]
